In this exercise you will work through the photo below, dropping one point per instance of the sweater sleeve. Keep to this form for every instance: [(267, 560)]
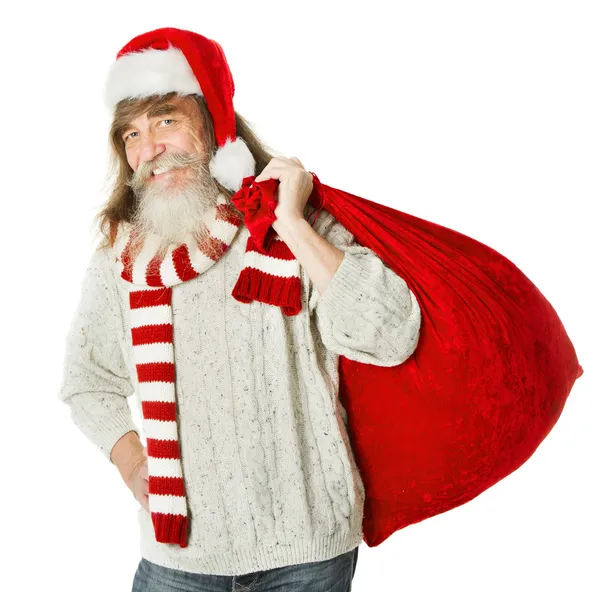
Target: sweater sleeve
[(95, 381), (367, 313)]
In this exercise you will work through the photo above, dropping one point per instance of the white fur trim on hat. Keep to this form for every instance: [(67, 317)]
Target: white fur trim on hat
[(231, 163), (150, 72)]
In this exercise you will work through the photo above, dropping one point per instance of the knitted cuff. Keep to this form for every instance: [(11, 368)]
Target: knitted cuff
[(110, 429), (340, 295)]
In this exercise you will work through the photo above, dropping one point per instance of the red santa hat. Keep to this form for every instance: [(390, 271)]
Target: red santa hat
[(174, 60)]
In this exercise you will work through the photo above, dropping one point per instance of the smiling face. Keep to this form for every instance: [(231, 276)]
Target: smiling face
[(174, 126), (171, 180)]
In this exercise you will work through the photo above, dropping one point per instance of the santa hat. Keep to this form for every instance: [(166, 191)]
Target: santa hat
[(174, 60)]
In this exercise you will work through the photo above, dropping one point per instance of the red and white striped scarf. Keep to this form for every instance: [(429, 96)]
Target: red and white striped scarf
[(271, 274)]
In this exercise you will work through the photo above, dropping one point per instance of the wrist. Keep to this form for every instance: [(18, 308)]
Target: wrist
[(127, 453), (288, 222)]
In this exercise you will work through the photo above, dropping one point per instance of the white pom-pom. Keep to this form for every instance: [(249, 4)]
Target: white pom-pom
[(231, 163)]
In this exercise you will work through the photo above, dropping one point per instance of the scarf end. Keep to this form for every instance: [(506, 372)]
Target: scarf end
[(253, 284), (170, 528)]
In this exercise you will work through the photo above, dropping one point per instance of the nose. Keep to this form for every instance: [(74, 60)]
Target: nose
[(150, 149)]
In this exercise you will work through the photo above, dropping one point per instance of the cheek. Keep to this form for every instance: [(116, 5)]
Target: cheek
[(191, 139), (132, 159)]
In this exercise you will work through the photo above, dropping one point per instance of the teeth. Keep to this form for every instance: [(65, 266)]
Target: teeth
[(159, 171)]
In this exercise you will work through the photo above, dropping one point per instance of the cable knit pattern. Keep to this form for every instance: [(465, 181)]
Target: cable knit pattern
[(269, 471)]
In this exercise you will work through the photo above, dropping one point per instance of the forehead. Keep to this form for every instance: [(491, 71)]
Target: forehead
[(181, 105)]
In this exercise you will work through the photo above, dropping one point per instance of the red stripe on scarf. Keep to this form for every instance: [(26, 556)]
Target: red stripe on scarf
[(153, 271), (156, 372), (277, 249), (161, 410), (152, 334), (166, 486), (143, 298), (162, 448), (225, 212), (215, 248), (127, 273), (183, 264)]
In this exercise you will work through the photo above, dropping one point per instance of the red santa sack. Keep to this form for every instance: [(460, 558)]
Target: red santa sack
[(487, 382)]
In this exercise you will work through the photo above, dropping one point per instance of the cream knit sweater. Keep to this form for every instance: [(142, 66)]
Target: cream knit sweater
[(269, 471)]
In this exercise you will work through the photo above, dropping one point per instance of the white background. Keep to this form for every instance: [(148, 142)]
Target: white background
[(480, 116)]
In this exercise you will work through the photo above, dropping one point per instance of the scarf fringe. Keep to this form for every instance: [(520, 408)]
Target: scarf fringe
[(170, 528), (253, 284)]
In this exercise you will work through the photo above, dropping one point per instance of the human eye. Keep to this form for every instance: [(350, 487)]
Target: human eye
[(167, 120), (125, 138)]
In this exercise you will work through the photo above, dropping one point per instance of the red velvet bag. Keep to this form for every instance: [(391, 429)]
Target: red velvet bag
[(487, 382)]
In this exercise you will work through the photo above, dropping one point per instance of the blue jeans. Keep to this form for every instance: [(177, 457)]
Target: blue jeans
[(331, 575)]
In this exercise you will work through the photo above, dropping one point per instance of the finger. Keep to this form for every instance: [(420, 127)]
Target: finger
[(297, 161), (274, 169), (146, 504), (271, 171), (263, 175)]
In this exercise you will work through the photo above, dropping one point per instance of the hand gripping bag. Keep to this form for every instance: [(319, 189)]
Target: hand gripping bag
[(487, 382)]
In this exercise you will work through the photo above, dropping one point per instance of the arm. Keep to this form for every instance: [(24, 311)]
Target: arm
[(316, 255), (95, 381), (363, 310)]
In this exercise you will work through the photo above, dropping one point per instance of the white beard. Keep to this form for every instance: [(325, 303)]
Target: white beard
[(177, 206)]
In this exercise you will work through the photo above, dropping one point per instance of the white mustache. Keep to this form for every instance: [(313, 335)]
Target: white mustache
[(170, 161)]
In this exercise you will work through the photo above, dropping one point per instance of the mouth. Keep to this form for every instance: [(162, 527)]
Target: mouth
[(152, 177), (160, 173)]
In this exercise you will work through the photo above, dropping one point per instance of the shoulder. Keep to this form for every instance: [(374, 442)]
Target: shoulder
[(101, 262), (101, 257), (102, 273)]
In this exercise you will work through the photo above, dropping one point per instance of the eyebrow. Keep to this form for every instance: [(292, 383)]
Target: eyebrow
[(166, 109)]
